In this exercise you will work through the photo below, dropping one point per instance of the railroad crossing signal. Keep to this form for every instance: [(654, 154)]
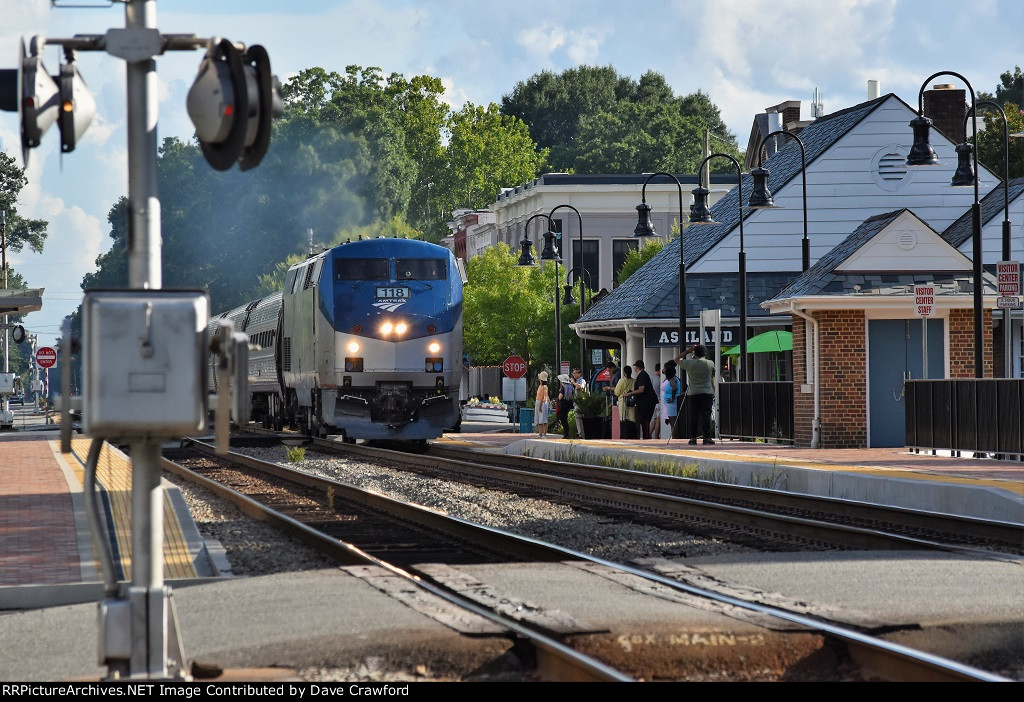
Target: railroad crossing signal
[(77, 105), (41, 99), (232, 103)]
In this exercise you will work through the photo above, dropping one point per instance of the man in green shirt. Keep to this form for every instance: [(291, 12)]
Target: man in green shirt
[(700, 390)]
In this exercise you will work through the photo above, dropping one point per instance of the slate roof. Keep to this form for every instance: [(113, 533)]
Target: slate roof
[(823, 279), (992, 205), (652, 292)]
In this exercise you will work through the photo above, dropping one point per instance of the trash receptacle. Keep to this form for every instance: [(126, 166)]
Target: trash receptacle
[(526, 420)]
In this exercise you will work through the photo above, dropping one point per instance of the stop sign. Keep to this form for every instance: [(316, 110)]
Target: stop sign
[(46, 357), (514, 367)]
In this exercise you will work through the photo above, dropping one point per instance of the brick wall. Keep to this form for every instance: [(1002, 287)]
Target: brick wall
[(947, 108), (843, 377), (961, 343), (843, 372)]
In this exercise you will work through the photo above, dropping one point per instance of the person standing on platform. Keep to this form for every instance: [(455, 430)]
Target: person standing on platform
[(542, 405), (671, 388), (566, 392), (627, 413), (578, 380), (646, 398), (700, 391)]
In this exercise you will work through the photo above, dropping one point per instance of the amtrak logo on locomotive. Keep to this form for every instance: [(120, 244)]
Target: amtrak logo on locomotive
[(390, 305), (390, 299)]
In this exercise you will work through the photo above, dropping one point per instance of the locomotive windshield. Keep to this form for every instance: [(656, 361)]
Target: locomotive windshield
[(361, 269), (421, 269)]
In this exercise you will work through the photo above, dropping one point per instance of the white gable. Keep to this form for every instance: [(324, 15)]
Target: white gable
[(863, 174), (906, 244)]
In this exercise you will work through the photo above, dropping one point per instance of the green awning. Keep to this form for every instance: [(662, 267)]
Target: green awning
[(763, 343)]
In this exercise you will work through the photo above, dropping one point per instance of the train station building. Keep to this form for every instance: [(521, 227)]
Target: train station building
[(876, 229)]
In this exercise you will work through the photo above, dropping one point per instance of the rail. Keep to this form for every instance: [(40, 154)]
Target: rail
[(979, 415)]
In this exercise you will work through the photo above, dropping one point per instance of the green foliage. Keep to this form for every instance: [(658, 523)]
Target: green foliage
[(508, 309), (588, 404), (21, 232), (991, 142), (296, 454), (486, 152), (636, 258), (596, 121), (1010, 89)]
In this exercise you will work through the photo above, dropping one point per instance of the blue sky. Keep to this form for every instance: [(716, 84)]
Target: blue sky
[(745, 54)]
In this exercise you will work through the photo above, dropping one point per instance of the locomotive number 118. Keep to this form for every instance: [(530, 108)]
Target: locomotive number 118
[(393, 292)]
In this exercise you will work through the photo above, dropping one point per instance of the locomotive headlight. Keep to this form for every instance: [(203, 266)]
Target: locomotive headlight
[(386, 328), (401, 328), (353, 347), (434, 347)]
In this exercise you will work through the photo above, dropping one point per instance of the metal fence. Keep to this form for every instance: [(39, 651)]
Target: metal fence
[(756, 410), (981, 415)]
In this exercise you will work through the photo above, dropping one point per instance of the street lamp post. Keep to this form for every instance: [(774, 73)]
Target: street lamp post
[(922, 154), (761, 197), (645, 227), (583, 296), (1007, 337), (550, 253), (700, 213)]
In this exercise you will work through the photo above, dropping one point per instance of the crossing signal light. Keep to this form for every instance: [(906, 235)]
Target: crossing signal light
[(37, 99), (40, 100), (77, 106), (232, 104)]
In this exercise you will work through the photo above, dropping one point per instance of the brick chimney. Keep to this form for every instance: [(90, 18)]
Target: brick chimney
[(946, 106)]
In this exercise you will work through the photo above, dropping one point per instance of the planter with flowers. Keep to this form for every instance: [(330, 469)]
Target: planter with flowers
[(488, 410)]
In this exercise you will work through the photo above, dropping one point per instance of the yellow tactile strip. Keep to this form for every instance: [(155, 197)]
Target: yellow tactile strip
[(905, 473), (114, 473)]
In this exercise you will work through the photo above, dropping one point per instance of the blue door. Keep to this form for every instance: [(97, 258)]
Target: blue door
[(894, 354)]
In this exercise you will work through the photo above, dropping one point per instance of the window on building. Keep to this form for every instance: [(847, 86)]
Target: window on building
[(621, 249), (589, 259)]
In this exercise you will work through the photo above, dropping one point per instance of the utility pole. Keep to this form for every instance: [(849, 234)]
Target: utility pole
[(231, 104)]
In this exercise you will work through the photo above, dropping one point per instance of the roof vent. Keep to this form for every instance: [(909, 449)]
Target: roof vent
[(889, 168)]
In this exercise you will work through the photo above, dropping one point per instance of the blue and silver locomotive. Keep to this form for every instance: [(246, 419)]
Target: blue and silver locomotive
[(365, 340)]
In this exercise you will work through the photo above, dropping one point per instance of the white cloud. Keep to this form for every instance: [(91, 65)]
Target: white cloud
[(585, 45), (541, 41)]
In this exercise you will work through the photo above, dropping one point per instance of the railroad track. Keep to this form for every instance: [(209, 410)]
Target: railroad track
[(556, 659), (763, 517)]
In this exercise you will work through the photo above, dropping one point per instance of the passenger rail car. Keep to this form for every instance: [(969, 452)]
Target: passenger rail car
[(366, 341)]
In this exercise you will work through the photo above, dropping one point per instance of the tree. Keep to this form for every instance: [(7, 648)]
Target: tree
[(551, 106), (612, 142), (628, 119), (486, 151), (509, 309), (991, 143), (1010, 89), (21, 232)]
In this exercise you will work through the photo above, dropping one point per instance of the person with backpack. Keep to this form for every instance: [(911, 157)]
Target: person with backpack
[(566, 393), (671, 390)]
